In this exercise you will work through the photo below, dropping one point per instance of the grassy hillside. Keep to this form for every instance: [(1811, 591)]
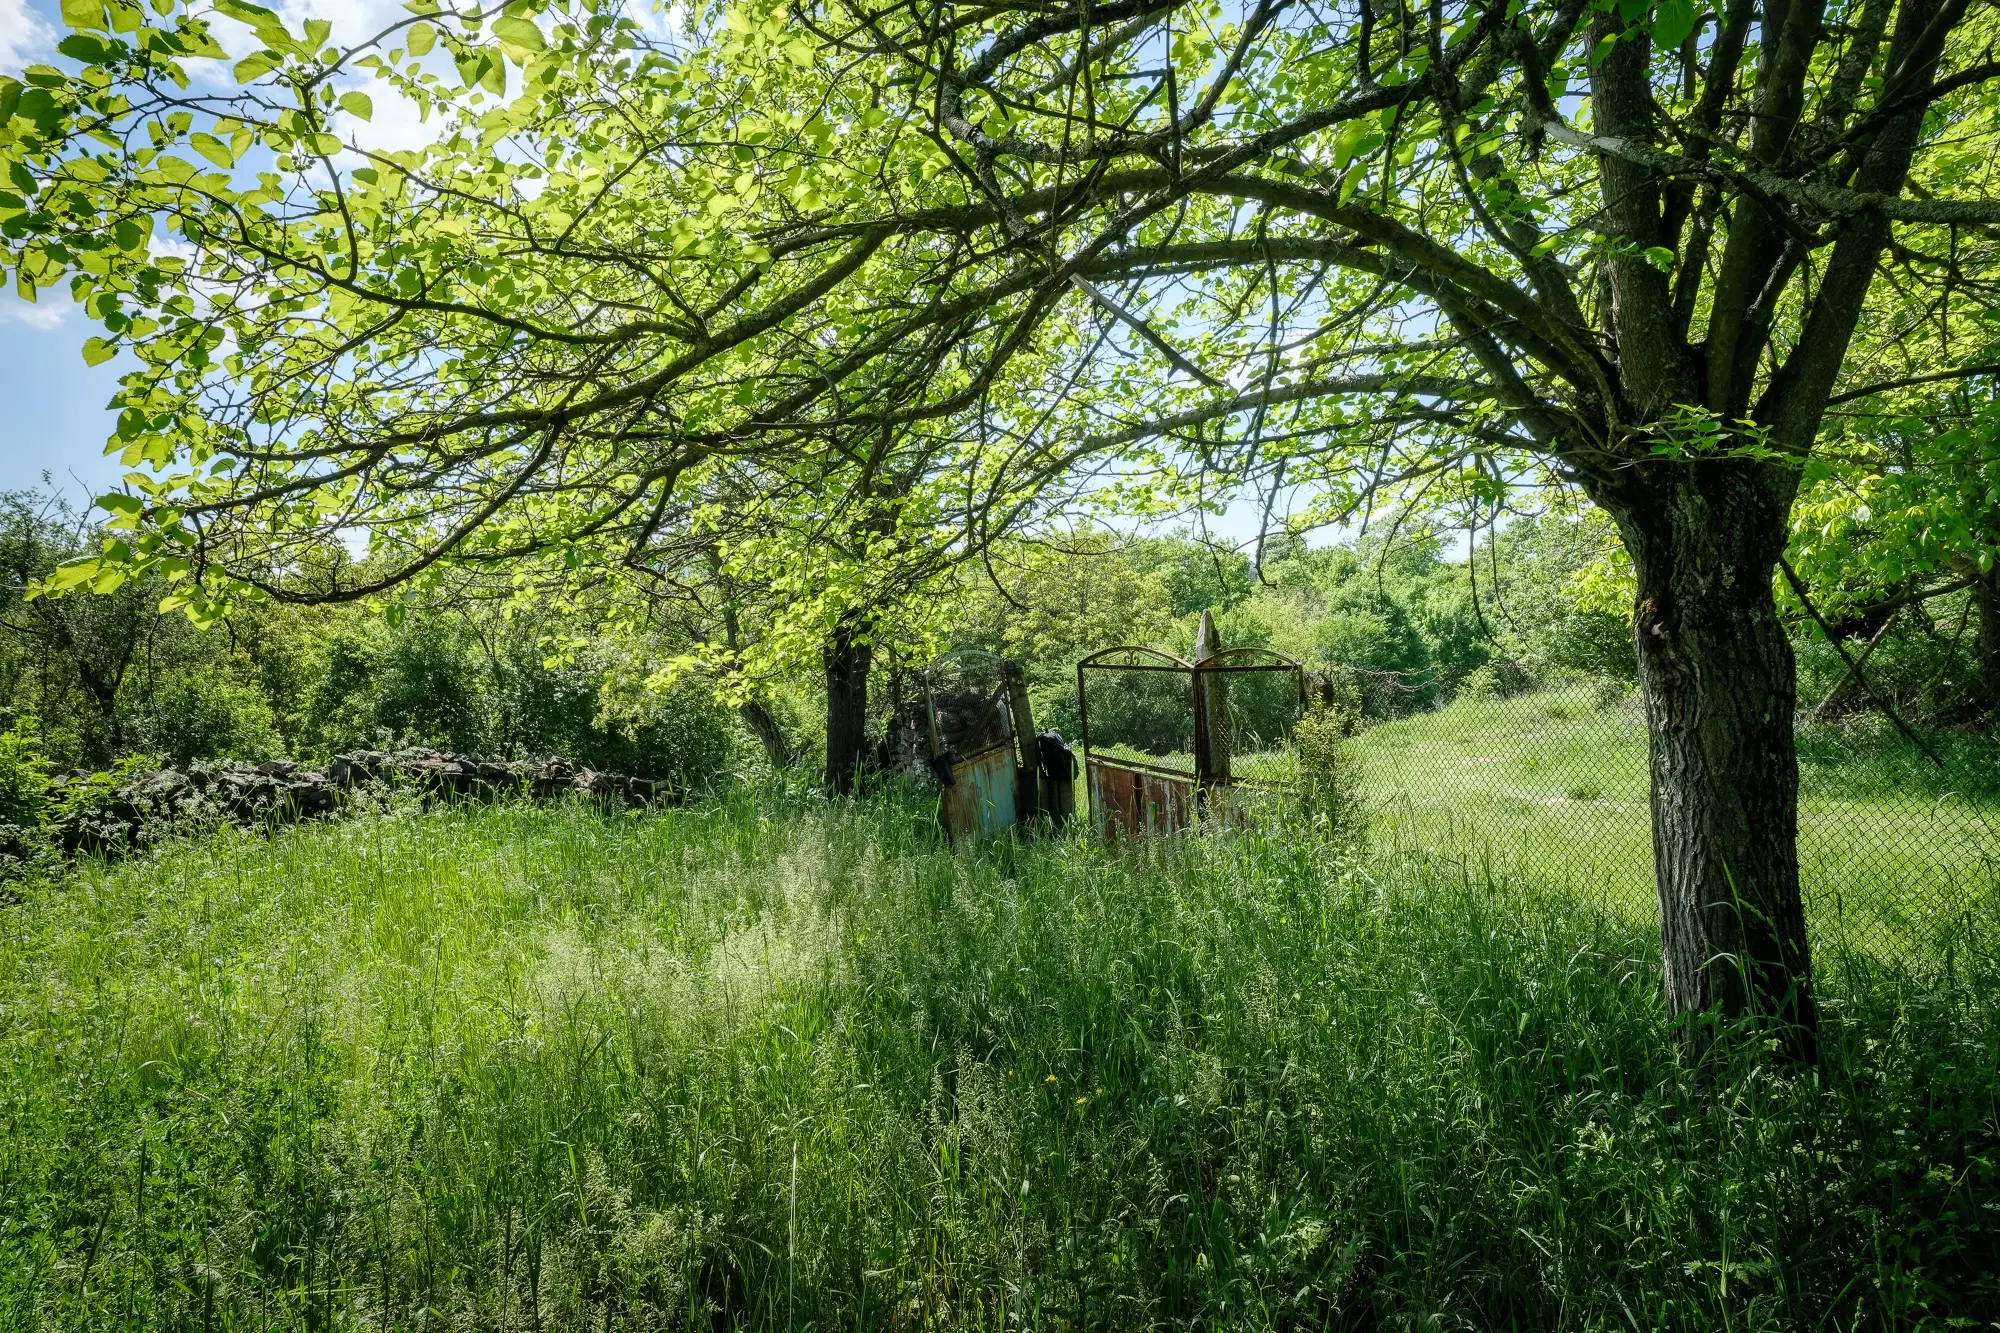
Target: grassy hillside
[(1552, 787), (782, 1066)]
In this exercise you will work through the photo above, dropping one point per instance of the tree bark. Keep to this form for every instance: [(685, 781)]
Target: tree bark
[(767, 731), (848, 658), (1720, 690)]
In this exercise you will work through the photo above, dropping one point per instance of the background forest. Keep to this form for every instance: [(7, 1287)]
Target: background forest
[(1405, 619)]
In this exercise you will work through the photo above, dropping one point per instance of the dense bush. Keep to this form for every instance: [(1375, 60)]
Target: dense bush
[(24, 780), (204, 715), (1329, 784), (427, 686), (24, 786)]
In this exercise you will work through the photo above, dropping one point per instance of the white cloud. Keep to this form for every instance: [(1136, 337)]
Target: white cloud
[(24, 36), (51, 312)]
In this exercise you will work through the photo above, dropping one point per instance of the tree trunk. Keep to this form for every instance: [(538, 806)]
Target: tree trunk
[(848, 657), (1720, 690), (1986, 603), (101, 747), (769, 734)]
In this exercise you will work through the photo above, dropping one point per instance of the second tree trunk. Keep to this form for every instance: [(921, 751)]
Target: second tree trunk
[(848, 658), (1720, 690)]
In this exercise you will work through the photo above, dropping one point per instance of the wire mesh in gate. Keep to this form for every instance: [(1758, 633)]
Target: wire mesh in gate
[(1163, 737)]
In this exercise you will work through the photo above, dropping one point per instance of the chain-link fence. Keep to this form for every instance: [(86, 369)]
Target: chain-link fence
[(1548, 784)]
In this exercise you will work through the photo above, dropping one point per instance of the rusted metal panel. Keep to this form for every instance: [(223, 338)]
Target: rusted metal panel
[(980, 801), (1130, 800)]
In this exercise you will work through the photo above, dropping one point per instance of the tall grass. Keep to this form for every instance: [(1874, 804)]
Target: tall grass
[(782, 1065)]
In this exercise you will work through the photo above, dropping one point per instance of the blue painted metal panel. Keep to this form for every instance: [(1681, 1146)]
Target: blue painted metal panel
[(980, 801)]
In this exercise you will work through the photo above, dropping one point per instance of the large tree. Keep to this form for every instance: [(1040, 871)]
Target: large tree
[(1629, 242), (1626, 246), (641, 308)]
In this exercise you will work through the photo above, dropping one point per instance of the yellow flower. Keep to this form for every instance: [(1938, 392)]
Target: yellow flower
[(1052, 1078)]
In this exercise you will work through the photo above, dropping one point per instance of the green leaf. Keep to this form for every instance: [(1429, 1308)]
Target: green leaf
[(1660, 258), (243, 12), (89, 50), (520, 34), (213, 149), (1673, 23), (358, 105), (422, 38), (96, 351), (254, 67), (73, 573), (83, 13), (270, 29)]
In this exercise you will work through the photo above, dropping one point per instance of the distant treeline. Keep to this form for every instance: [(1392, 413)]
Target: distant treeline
[(1403, 618), (95, 679), (1410, 617)]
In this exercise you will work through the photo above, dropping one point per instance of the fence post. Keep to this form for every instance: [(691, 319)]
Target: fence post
[(1027, 791), (1211, 710)]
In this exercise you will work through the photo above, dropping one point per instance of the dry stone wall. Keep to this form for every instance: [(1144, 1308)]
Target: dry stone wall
[(104, 813)]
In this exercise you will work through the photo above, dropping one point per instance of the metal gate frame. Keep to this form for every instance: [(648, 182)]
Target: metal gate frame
[(1133, 796)]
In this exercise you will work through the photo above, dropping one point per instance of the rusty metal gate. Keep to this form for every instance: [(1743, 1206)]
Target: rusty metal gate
[(1168, 771), (969, 732)]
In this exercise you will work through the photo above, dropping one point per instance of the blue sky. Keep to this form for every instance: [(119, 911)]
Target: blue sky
[(54, 418), (52, 415)]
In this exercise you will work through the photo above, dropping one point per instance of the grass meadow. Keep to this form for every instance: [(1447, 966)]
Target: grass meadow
[(1552, 787), (772, 1063)]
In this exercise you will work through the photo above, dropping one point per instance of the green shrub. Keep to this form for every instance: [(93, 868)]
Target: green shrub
[(205, 714), (24, 786), (91, 812), (24, 780), (1496, 680), (415, 684), (680, 736), (428, 690), (1329, 785)]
